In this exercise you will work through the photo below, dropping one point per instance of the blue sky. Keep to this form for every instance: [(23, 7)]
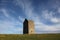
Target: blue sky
[(44, 13)]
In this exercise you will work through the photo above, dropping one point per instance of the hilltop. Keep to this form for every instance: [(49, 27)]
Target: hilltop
[(30, 37)]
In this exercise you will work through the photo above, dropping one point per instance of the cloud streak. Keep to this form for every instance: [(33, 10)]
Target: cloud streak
[(9, 27), (14, 24), (30, 13), (8, 24)]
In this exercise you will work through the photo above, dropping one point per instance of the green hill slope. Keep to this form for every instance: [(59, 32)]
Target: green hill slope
[(30, 37)]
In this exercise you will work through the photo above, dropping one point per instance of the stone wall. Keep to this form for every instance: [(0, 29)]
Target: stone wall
[(30, 27)]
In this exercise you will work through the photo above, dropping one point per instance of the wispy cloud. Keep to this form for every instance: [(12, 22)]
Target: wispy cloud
[(55, 20), (58, 10), (5, 12), (42, 28), (21, 19), (9, 25), (48, 15), (13, 25), (28, 8)]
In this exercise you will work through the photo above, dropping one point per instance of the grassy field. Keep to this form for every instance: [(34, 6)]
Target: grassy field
[(30, 37)]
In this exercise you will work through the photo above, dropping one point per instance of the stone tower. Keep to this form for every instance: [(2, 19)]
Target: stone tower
[(28, 27)]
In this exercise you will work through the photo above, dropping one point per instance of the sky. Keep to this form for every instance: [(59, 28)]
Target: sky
[(44, 13)]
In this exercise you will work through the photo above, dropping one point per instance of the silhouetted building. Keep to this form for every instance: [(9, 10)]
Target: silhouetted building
[(28, 27)]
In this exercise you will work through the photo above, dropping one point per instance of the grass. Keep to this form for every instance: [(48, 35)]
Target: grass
[(30, 37)]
